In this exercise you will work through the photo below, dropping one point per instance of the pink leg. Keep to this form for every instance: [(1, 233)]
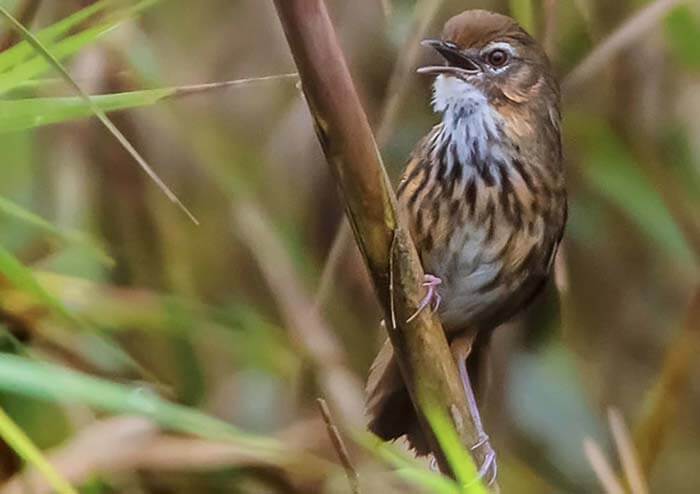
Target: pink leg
[(432, 297), (461, 348)]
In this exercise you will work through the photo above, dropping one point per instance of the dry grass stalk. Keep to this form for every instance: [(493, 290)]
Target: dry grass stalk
[(307, 330), (345, 135), (602, 468), (625, 35), (667, 394), (339, 446), (386, 7), (550, 27), (627, 455), (626, 451), (126, 444), (423, 17)]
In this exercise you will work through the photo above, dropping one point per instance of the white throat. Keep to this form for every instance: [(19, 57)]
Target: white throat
[(469, 122)]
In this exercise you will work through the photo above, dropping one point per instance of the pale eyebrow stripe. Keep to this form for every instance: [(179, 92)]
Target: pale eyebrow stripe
[(503, 45)]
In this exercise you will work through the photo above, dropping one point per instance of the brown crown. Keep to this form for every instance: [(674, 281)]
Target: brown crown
[(476, 28)]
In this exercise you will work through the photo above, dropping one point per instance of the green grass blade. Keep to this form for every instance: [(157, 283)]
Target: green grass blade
[(458, 457), (18, 72), (22, 278), (22, 114), (12, 210), (23, 50), (610, 168), (50, 382), (408, 468), (39, 47), (35, 66), (25, 448), (19, 62)]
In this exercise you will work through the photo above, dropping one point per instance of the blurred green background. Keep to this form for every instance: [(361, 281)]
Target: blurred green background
[(114, 305)]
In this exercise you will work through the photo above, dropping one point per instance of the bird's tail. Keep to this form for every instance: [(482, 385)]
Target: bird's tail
[(389, 407)]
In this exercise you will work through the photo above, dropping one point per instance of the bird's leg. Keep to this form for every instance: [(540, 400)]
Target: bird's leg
[(461, 348), (432, 297)]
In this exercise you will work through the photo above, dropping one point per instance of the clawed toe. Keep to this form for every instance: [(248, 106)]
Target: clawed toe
[(489, 464), (432, 297)]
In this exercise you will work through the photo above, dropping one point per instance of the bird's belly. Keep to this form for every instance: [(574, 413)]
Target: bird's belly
[(477, 278)]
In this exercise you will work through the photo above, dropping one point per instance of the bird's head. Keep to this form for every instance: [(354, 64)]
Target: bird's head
[(490, 53)]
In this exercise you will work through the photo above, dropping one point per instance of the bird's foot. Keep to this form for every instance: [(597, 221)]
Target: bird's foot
[(488, 470), (432, 297)]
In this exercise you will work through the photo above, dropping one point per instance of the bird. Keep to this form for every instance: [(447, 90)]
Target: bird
[(483, 195)]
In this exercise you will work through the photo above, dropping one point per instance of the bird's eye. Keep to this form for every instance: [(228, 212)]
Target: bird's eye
[(497, 57)]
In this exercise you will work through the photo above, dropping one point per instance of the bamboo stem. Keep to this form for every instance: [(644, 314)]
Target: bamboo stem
[(350, 149)]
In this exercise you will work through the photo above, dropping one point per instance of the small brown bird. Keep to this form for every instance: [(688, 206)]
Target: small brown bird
[(483, 194)]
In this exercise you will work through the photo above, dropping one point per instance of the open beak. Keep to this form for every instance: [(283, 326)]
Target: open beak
[(456, 61)]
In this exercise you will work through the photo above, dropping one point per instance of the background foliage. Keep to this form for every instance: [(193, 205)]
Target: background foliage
[(145, 353)]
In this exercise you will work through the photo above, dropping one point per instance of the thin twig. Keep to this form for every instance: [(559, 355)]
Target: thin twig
[(341, 240), (339, 445), (307, 329), (627, 453), (550, 27), (625, 35), (603, 471), (211, 86), (397, 89)]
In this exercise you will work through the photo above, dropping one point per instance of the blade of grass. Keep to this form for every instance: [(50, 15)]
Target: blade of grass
[(25, 448), (407, 468), (459, 458), (23, 114), (12, 210), (50, 382), (17, 67), (24, 280), (22, 50), (612, 170), (53, 61), (19, 74)]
